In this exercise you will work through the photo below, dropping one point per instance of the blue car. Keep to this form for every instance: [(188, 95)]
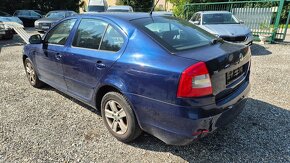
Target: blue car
[(152, 73)]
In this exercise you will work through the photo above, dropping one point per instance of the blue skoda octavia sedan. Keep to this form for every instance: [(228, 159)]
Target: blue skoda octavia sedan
[(157, 74)]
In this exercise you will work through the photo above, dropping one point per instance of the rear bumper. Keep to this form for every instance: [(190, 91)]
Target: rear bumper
[(179, 125)]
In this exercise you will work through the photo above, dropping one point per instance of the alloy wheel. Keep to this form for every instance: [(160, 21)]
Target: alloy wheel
[(30, 73), (116, 117)]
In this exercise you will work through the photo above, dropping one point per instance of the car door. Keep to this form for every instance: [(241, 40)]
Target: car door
[(96, 46), (49, 58)]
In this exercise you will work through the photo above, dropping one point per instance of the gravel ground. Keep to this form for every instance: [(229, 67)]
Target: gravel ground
[(48, 126)]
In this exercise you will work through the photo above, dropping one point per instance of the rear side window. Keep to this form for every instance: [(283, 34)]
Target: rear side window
[(59, 34), (23, 13), (90, 33), (173, 33), (112, 40)]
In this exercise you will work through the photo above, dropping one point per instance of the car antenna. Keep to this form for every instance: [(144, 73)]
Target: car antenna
[(152, 9)]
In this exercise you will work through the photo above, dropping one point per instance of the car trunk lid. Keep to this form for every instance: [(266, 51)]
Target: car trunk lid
[(228, 65)]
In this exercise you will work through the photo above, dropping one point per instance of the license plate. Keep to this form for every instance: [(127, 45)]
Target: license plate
[(234, 74), (45, 27)]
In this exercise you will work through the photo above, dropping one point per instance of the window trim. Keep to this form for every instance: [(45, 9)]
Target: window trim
[(99, 50), (51, 30)]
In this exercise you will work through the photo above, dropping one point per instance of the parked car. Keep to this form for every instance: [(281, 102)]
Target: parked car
[(5, 17), (224, 25), (97, 6), (5, 31), (28, 17), (164, 13), (158, 74), (40, 12), (51, 18), (120, 9)]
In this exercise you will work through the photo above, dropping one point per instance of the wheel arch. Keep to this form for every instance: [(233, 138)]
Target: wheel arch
[(109, 88)]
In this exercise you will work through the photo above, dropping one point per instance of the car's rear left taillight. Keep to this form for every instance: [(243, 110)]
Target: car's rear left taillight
[(195, 81)]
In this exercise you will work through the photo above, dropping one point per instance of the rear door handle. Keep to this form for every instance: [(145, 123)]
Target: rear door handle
[(100, 65), (58, 56)]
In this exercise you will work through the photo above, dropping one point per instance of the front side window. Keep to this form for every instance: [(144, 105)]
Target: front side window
[(23, 13), (59, 34), (90, 33), (219, 18), (174, 34), (112, 40)]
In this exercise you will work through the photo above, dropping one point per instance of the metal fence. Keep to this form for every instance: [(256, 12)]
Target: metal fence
[(262, 17)]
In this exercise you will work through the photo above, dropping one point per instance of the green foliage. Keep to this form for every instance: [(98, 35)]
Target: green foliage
[(139, 5), (43, 5)]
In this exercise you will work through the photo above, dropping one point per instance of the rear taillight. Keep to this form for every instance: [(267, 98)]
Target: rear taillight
[(195, 81)]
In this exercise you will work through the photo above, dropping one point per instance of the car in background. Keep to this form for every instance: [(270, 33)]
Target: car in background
[(97, 6), (5, 31), (120, 9), (5, 17), (40, 12), (164, 13), (51, 18), (223, 24), (159, 74), (28, 17)]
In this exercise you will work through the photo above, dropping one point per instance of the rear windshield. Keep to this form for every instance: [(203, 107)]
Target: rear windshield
[(173, 33)]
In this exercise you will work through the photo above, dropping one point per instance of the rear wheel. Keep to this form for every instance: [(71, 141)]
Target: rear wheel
[(31, 74), (119, 117)]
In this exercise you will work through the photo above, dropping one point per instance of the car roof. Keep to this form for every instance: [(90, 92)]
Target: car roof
[(213, 12), (122, 16), (120, 7)]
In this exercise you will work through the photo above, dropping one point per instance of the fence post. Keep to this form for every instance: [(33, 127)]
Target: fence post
[(277, 20), (286, 26)]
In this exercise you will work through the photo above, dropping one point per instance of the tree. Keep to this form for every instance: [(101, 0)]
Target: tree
[(43, 5), (138, 5)]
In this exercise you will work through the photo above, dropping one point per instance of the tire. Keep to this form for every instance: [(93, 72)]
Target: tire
[(32, 75), (119, 117)]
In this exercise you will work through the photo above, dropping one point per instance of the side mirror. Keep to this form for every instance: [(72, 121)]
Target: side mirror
[(196, 22), (35, 39), (241, 21)]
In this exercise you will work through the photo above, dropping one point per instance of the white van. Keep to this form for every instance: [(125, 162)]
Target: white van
[(97, 5)]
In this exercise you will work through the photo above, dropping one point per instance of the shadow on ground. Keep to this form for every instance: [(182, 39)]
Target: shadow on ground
[(260, 50), (262, 131), (16, 41)]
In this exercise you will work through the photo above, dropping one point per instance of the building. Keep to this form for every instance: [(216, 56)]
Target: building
[(163, 5)]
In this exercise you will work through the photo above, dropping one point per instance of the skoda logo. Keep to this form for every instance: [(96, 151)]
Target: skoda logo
[(241, 57), (231, 57)]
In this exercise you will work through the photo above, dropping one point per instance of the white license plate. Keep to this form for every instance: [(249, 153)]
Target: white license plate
[(45, 27)]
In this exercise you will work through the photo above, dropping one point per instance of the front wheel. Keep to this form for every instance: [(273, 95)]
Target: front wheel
[(119, 117), (31, 74)]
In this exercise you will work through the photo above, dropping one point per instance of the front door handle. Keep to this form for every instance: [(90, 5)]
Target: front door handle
[(100, 65)]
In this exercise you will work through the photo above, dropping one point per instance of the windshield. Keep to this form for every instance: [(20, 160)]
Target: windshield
[(4, 14), (55, 15), (96, 8), (173, 33), (219, 18)]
